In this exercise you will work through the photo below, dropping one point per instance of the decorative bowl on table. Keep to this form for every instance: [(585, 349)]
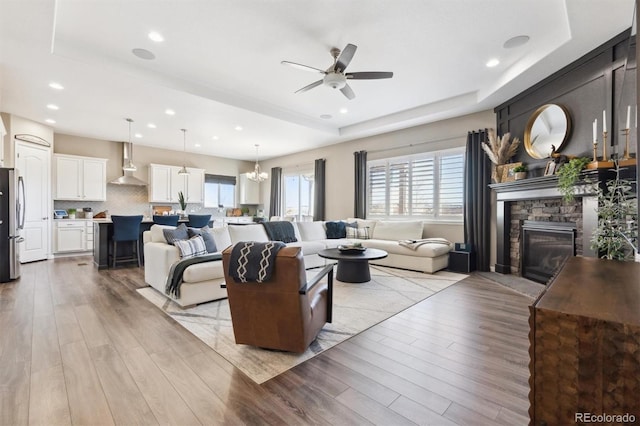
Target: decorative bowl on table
[(351, 249)]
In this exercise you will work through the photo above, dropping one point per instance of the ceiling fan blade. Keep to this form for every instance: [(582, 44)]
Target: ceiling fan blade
[(346, 90), (345, 57), (368, 75), (303, 67), (310, 86)]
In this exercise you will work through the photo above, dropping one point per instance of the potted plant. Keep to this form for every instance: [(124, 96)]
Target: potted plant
[(181, 200), (71, 213), (245, 211), (520, 172), (616, 235), (568, 175)]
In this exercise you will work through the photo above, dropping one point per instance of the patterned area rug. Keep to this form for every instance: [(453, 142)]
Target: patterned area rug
[(356, 307)]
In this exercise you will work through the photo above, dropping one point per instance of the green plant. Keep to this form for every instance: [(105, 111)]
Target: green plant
[(617, 220), (568, 175), (181, 200), (71, 211), (245, 210), (520, 168)]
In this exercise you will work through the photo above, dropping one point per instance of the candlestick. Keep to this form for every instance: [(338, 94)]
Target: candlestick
[(604, 145), (595, 130), (604, 120), (595, 151), (626, 155)]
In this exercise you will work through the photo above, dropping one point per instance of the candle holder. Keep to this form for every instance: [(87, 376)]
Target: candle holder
[(595, 151), (604, 146), (626, 155)]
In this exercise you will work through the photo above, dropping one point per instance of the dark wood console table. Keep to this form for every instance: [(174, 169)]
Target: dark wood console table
[(585, 342)]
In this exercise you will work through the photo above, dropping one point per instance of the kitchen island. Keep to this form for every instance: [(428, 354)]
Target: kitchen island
[(103, 234)]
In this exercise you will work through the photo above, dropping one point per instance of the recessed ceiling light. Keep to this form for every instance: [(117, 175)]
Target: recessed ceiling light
[(151, 126), (138, 135), (56, 86), (492, 63), (53, 107), (156, 36), (197, 145), (143, 54), (343, 110), (516, 41), (50, 121), (215, 138), (169, 112), (326, 116), (238, 128)]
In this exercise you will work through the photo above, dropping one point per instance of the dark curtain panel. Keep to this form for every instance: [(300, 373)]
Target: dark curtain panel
[(319, 190), (360, 190), (275, 200), (477, 200)]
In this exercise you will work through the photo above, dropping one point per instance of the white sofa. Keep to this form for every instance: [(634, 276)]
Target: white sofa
[(201, 282)]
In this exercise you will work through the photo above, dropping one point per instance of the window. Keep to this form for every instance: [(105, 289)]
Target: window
[(298, 195), (219, 191), (426, 185)]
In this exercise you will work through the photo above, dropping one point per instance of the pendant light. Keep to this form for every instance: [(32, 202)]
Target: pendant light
[(183, 170), (128, 166), (257, 175)]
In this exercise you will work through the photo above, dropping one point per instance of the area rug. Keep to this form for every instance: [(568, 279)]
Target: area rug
[(356, 307)]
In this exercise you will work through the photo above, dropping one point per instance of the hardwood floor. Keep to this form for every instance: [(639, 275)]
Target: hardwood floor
[(80, 346)]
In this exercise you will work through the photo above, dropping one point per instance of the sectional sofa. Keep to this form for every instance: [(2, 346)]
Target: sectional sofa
[(202, 281)]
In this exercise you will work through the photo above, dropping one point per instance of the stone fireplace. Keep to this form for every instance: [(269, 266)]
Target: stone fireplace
[(537, 199)]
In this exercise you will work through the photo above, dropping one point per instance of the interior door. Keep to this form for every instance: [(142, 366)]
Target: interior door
[(33, 162)]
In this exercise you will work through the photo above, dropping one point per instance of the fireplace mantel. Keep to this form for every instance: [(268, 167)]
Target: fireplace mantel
[(536, 188)]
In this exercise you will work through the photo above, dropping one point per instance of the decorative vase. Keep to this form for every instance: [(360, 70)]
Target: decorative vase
[(496, 173)]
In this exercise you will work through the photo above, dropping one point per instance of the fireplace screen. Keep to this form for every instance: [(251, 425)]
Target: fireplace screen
[(545, 248)]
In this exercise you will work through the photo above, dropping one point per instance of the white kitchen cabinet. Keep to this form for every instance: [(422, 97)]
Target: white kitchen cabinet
[(80, 178), (70, 235), (249, 190), (165, 183)]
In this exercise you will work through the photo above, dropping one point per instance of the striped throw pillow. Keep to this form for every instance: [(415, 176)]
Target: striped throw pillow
[(192, 247)]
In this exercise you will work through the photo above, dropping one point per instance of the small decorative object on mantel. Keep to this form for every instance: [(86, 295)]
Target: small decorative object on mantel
[(520, 172), (509, 172), (568, 174), (500, 152)]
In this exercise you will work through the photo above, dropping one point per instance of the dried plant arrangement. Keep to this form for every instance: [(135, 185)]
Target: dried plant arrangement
[(500, 150)]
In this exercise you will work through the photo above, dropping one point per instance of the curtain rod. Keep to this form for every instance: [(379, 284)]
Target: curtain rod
[(417, 144)]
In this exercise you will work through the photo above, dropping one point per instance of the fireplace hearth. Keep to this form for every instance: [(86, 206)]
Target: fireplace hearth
[(545, 247)]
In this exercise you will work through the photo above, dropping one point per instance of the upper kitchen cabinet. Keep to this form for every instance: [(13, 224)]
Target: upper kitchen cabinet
[(249, 190), (165, 183), (80, 178)]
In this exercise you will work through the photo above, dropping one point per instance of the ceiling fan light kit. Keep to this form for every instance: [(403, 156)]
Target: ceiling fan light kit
[(334, 76)]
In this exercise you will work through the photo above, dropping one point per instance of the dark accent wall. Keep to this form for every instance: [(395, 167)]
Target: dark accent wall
[(602, 79)]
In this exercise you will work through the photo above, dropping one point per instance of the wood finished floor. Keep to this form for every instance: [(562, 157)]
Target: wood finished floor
[(80, 346)]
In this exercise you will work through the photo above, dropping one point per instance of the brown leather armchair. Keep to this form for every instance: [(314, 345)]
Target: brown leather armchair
[(285, 313)]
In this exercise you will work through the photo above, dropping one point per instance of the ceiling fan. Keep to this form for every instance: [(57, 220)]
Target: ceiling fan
[(334, 76)]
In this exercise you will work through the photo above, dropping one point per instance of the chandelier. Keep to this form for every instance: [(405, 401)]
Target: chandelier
[(129, 166), (183, 170), (257, 175)]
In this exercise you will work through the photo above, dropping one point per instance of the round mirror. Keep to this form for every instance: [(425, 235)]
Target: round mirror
[(548, 128)]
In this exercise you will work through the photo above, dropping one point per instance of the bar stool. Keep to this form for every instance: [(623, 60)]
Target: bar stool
[(171, 220), (198, 220), (126, 229)]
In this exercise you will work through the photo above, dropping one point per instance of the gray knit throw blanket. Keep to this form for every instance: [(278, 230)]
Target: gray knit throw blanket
[(252, 261)]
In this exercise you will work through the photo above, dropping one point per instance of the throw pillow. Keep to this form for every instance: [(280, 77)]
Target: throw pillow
[(337, 229), (353, 231), (179, 233), (206, 235), (191, 247)]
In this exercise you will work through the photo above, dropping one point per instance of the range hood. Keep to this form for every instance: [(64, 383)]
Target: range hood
[(127, 178)]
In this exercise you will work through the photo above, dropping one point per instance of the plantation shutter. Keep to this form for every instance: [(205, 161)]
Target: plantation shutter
[(377, 190), (451, 185), (423, 182), (399, 188)]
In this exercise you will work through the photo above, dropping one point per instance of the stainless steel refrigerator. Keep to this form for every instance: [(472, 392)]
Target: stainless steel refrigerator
[(11, 222)]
